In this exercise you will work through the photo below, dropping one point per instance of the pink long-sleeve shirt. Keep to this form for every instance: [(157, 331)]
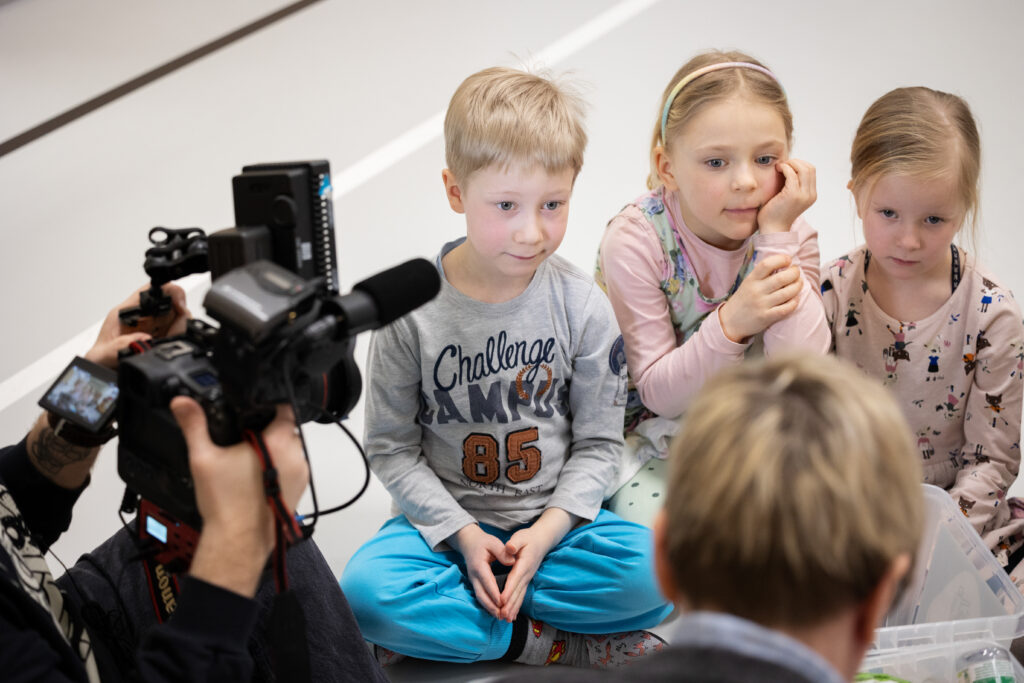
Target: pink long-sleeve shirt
[(668, 374)]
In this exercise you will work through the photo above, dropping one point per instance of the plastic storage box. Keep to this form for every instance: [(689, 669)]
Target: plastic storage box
[(957, 592), (928, 664)]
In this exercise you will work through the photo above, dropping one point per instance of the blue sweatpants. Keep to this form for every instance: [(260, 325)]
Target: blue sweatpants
[(410, 599)]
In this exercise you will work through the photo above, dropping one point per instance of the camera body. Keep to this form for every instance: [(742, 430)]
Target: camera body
[(152, 455), (279, 340), (285, 335)]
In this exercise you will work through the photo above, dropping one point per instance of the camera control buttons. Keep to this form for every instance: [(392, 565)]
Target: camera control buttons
[(173, 349), (172, 387)]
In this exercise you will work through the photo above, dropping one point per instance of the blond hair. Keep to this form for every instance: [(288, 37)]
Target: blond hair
[(923, 133), (504, 116), (712, 87), (793, 486)]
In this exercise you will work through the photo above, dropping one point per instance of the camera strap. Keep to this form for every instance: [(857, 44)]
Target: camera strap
[(286, 632), (287, 627), (287, 525), (163, 588)]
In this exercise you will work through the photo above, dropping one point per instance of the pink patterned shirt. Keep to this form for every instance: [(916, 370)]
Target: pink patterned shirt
[(957, 376), (666, 365)]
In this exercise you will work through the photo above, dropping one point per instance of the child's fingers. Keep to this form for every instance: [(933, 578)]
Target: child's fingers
[(801, 173), (483, 574), (784, 277), (512, 583), (808, 182), (783, 306), (514, 603), (784, 293), (485, 602), (799, 190), (784, 310), (787, 304), (496, 551), (491, 587), (805, 171), (515, 590), (769, 264), (791, 178), (486, 595), (510, 550)]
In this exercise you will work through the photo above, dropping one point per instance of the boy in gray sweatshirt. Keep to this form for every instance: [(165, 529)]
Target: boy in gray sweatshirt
[(494, 419)]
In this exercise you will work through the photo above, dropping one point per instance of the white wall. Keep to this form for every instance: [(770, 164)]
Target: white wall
[(341, 80)]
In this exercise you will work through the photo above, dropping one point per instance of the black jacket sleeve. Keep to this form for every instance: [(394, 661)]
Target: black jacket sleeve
[(45, 507), (31, 646), (27, 655), (205, 640)]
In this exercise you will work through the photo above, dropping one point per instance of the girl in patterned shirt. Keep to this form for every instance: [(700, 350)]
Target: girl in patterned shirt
[(918, 312), (712, 264)]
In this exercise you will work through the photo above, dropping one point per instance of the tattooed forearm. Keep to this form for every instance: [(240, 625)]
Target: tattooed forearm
[(51, 454)]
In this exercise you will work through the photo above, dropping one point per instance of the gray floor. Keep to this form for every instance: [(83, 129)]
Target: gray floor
[(362, 84)]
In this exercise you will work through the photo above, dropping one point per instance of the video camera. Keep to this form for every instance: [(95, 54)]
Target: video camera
[(285, 335)]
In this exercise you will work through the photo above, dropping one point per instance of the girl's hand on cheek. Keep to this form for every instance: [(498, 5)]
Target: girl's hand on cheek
[(799, 191)]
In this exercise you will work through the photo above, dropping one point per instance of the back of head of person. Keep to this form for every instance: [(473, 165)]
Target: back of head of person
[(794, 502)]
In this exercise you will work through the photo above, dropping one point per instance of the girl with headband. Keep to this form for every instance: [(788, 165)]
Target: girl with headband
[(918, 312), (712, 264)]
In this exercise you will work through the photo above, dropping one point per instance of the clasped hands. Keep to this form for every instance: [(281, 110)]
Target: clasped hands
[(523, 552)]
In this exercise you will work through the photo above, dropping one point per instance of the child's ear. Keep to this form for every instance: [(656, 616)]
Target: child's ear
[(663, 165), (662, 563), (849, 186), (874, 608), (453, 191)]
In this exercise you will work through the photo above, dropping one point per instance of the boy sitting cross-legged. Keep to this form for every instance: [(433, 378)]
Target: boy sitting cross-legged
[(494, 414)]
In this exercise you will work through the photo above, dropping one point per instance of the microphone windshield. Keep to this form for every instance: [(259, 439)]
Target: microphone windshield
[(401, 289)]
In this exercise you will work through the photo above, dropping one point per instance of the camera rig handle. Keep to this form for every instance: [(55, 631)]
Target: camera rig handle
[(176, 252)]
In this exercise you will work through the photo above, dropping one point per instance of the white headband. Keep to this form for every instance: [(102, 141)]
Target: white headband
[(700, 72)]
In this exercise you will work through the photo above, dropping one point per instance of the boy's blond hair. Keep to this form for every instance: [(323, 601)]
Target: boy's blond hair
[(714, 87), (922, 133), (504, 116), (793, 487)]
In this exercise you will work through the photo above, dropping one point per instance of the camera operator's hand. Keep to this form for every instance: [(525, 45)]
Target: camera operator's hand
[(238, 526), (60, 458), (114, 336)]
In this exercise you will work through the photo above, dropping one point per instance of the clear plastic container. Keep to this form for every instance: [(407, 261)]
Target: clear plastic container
[(929, 664), (957, 591)]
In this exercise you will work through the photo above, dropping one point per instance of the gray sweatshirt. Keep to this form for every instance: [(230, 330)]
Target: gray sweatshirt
[(492, 413)]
